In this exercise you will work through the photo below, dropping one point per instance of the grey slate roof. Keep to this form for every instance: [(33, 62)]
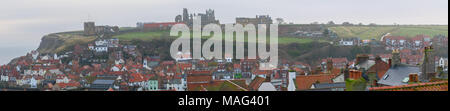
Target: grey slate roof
[(329, 85), (395, 76), (366, 64), (101, 81), (102, 84)]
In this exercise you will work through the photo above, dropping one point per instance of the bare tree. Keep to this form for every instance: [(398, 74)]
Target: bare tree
[(280, 20)]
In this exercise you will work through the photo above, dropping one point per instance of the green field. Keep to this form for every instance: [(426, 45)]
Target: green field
[(148, 36), (364, 32), (142, 35), (288, 40), (376, 32)]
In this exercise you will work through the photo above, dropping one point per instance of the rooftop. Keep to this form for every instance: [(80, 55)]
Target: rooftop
[(102, 81), (431, 86), (396, 76)]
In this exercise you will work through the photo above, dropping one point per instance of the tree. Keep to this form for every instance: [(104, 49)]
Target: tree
[(326, 32), (347, 24), (280, 20), (237, 75), (315, 23), (331, 23)]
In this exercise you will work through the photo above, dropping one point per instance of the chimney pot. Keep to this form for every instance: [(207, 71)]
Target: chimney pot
[(413, 77)]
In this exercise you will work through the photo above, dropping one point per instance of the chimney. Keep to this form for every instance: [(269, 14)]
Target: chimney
[(396, 60), (358, 74), (428, 65), (268, 79), (329, 65), (361, 58), (355, 74), (413, 77)]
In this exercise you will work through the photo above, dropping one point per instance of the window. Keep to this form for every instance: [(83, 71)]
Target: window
[(385, 77)]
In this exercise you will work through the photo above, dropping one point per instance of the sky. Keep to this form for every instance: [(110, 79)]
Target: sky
[(24, 22)]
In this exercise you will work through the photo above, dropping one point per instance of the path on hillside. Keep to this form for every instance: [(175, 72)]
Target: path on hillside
[(387, 34)]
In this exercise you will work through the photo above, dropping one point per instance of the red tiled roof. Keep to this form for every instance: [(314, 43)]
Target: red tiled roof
[(195, 86), (305, 82), (254, 85), (196, 72), (199, 79), (97, 73), (337, 60), (385, 55), (380, 67), (303, 64), (262, 72), (71, 76), (70, 84), (419, 38), (136, 77), (110, 89), (218, 85), (116, 73), (395, 38), (299, 70), (184, 66), (237, 66), (430, 86), (168, 63), (405, 51), (178, 75)]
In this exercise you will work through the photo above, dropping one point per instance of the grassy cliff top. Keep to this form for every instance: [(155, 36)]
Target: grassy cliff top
[(376, 32), (57, 42)]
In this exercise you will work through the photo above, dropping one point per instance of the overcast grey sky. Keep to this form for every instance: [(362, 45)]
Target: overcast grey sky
[(24, 22)]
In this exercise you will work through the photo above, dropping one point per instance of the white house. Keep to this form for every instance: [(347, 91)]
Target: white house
[(346, 42), (228, 58), (55, 56), (4, 78), (443, 62), (120, 61), (145, 63), (34, 54), (183, 56), (22, 81), (62, 79), (101, 49), (101, 43), (39, 72), (33, 83), (91, 47), (114, 42), (46, 57), (117, 69), (55, 71)]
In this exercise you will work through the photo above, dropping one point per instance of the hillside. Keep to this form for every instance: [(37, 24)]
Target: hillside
[(152, 35), (58, 42), (376, 32)]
